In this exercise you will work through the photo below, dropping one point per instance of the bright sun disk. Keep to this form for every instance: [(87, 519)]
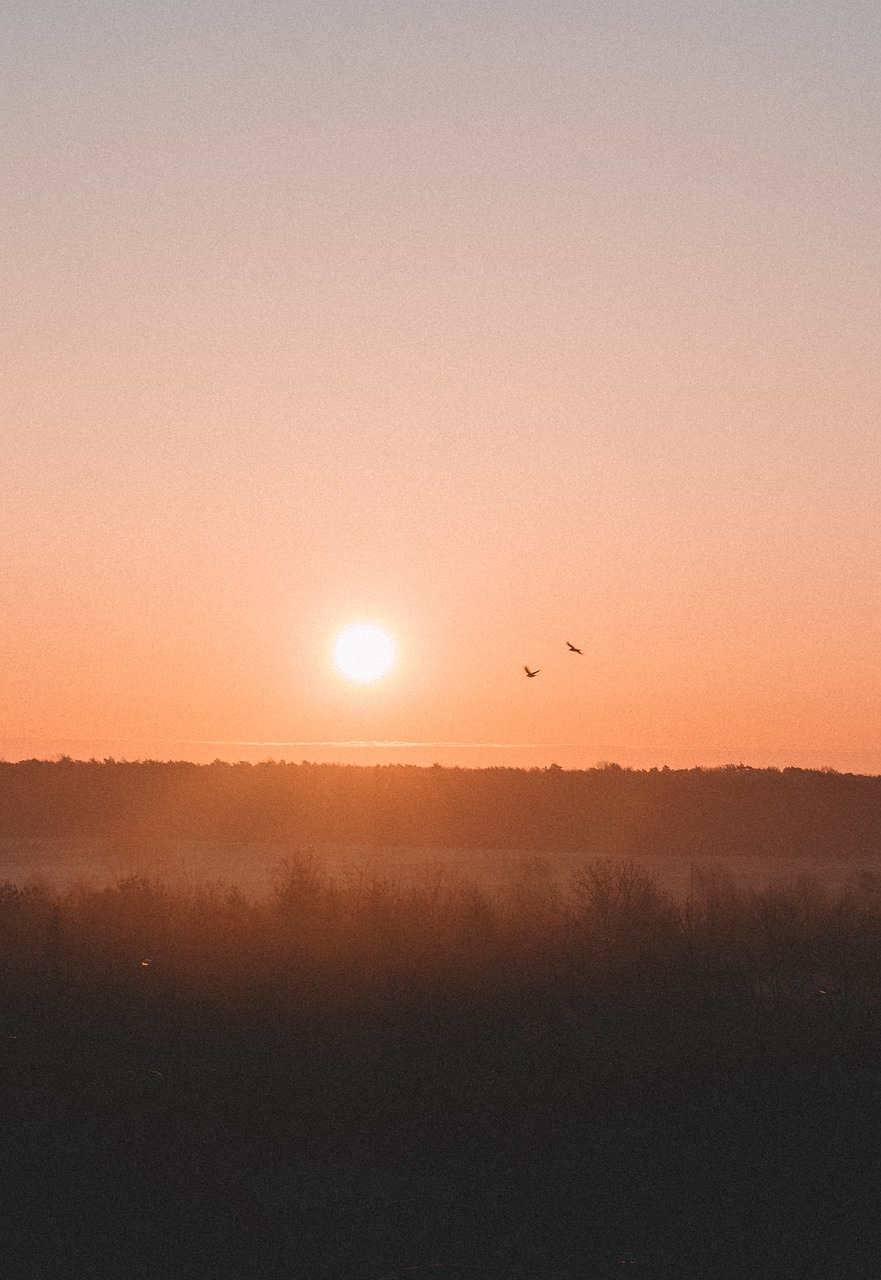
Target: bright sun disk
[(363, 652)]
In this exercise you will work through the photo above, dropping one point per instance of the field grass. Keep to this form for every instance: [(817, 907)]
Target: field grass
[(346, 1072)]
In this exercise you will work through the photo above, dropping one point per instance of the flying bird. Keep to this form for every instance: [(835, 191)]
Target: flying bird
[(532, 673), (572, 649)]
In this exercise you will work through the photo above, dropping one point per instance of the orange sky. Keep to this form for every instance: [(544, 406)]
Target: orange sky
[(501, 325)]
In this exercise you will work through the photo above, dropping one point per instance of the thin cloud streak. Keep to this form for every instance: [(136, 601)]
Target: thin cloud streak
[(500, 746)]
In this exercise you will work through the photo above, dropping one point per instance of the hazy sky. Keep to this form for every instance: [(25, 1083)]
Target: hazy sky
[(501, 324)]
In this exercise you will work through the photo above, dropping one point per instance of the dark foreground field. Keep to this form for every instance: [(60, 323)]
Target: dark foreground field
[(350, 1080)]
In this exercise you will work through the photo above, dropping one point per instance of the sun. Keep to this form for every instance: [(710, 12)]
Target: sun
[(364, 652)]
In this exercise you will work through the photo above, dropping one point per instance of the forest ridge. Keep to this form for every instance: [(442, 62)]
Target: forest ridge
[(604, 811)]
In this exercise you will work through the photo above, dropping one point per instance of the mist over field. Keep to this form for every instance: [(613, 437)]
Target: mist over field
[(67, 821)]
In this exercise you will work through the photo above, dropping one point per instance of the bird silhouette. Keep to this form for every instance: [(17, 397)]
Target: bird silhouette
[(572, 648), (532, 673)]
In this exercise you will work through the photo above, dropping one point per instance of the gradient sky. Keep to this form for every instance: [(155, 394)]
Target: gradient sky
[(499, 324)]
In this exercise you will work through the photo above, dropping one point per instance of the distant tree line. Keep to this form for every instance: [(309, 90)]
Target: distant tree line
[(604, 811)]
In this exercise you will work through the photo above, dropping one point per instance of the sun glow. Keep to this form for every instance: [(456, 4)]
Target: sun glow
[(364, 652)]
